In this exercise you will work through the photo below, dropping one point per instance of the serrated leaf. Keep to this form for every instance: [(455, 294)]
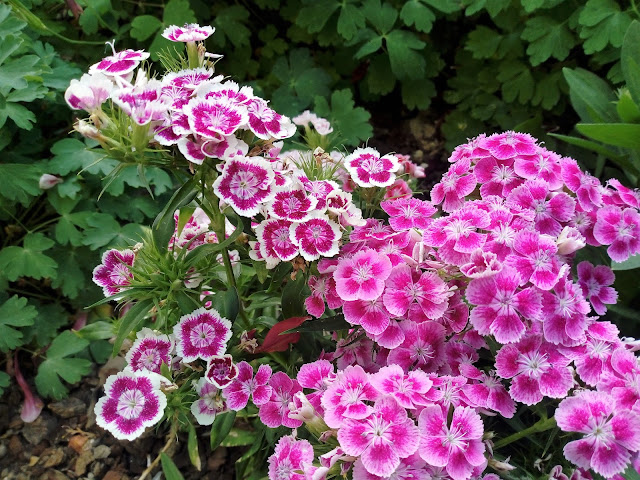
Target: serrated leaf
[(351, 123), (178, 12), (14, 313), (369, 47), (483, 42), (445, 6), (21, 116), (313, 16), (418, 93), (72, 155), (517, 81), (414, 12), (74, 279), (24, 182), (406, 61), (28, 260), (381, 15), (143, 26), (350, 20), (547, 38), (49, 319), (61, 364), (380, 80), (603, 24), (230, 21), (547, 91)]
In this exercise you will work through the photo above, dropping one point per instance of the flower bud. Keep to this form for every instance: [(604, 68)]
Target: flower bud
[(49, 181)]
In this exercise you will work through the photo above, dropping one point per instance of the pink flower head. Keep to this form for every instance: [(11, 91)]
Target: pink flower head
[(322, 287), (500, 308), (293, 205), (245, 183), (407, 213), (495, 178), (408, 389), (398, 189), (289, 459), (143, 103), (188, 80), (509, 145), (570, 240), (209, 402), (370, 314), (190, 32), (481, 264), (488, 392), (423, 347), (592, 359), (423, 294), (355, 351), (275, 411), (587, 188), (321, 125), (317, 236), (623, 196), (316, 376), (149, 351), (610, 436), (622, 380), (538, 369), (346, 396), (221, 371), (620, 229), (543, 165), (456, 184), (369, 169), (48, 181), (595, 281), (114, 273), (382, 438), (275, 240), (213, 117), (132, 402), (265, 123), (245, 385), (410, 468), (564, 313), (88, 93), (535, 259), (457, 446), (362, 276), (119, 63), (201, 334)]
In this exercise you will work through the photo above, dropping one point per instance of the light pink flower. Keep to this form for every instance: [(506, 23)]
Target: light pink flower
[(592, 358), (201, 334), (509, 145), (275, 411), (289, 459), (407, 213), (322, 288), (369, 169), (245, 183), (346, 396), (537, 368), (88, 93), (570, 240), (149, 351), (543, 165), (221, 370), (535, 259), (370, 314), (481, 264), (457, 446), (190, 32), (398, 189), (143, 102), (408, 389), (622, 380), (499, 308), (595, 281), (488, 392), (456, 183), (423, 346), (133, 401), (48, 181), (119, 63), (564, 313), (355, 351), (245, 385), (587, 188), (610, 436), (32, 405), (316, 376), (209, 402), (620, 229), (114, 274), (315, 237), (362, 276), (410, 468), (321, 125), (381, 438), (495, 178)]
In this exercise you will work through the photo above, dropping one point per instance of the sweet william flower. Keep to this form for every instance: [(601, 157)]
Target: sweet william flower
[(221, 371), (289, 459), (189, 32), (275, 411), (408, 389), (620, 229), (595, 281), (149, 351), (362, 276), (315, 237), (120, 63), (201, 334), (422, 347), (410, 468), (245, 386), (88, 93), (114, 273), (209, 404), (509, 145), (369, 169), (346, 396)]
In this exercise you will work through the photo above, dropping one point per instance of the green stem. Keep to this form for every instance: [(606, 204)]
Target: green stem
[(542, 425)]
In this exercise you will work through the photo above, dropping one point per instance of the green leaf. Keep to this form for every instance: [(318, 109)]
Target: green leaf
[(14, 313), (351, 123), (406, 62), (293, 298), (547, 90), (618, 134), (380, 80), (221, 427), (631, 473), (517, 81), (202, 251), (74, 279), (28, 260), (169, 468), (315, 14), (629, 264), (227, 303), (178, 12), (445, 6), (591, 97), (414, 12), (143, 26), (192, 448), (131, 321), (368, 48), (547, 38), (99, 330), (22, 116), (24, 182), (14, 73), (72, 155), (231, 22), (630, 60), (350, 21), (4, 381), (103, 230), (382, 16), (47, 323), (483, 42), (239, 438), (587, 144), (61, 364), (603, 24), (627, 109), (418, 93)]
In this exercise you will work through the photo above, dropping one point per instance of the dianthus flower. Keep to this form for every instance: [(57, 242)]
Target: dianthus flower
[(488, 392), (209, 402), (543, 165), (88, 93), (346, 396), (119, 63), (408, 389), (315, 237), (362, 276), (495, 177), (587, 188), (370, 314), (322, 288), (620, 229), (611, 436), (509, 145), (369, 169), (275, 411), (407, 213), (622, 380), (245, 385), (114, 273), (564, 313), (381, 438), (423, 346), (592, 358), (149, 351), (316, 376), (201, 334), (457, 446), (221, 370), (535, 258), (595, 281), (456, 184), (190, 32), (289, 459)]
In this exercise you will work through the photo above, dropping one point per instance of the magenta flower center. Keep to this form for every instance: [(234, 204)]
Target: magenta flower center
[(130, 404), (150, 358), (243, 185), (200, 335), (283, 471), (534, 364), (598, 349), (454, 437)]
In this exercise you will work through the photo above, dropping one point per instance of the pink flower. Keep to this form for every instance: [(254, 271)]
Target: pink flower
[(201, 334), (410, 468), (620, 229), (213, 117), (424, 295), (32, 405), (221, 371), (265, 123), (381, 438), (623, 196), (275, 411), (610, 436), (245, 183), (423, 347), (132, 402), (321, 125), (535, 259), (458, 446), (209, 402), (369, 169), (293, 205), (408, 389), (149, 351), (362, 276), (564, 313), (543, 165), (495, 178), (488, 392), (592, 358), (537, 368), (371, 314), (119, 63), (88, 93), (114, 274), (316, 376), (586, 187), (509, 145), (143, 103), (481, 264), (595, 282), (345, 398), (188, 80), (322, 287), (275, 241), (622, 380), (456, 184), (289, 459), (500, 308), (317, 236), (190, 32), (245, 385), (398, 189), (48, 181), (407, 213)]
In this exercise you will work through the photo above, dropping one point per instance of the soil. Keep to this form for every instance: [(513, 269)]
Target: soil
[(65, 442)]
